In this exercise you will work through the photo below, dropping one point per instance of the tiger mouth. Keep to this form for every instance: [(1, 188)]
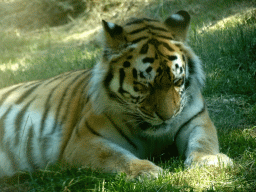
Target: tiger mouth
[(154, 127), (148, 126)]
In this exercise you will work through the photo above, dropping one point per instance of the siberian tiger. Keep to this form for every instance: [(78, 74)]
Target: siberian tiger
[(143, 95)]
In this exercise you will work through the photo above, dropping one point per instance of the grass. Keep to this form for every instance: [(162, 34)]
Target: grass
[(29, 60), (227, 48)]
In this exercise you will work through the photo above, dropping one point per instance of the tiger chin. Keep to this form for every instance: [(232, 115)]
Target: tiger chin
[(144, 95)]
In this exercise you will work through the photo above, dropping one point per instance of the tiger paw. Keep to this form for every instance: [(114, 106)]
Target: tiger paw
[(218, 160), (143, 168)]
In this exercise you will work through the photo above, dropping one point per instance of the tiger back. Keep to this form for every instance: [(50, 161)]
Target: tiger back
[(143, 95)]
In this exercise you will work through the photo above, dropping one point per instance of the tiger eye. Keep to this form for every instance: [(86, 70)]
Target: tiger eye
[(129, 57), (135, 89)]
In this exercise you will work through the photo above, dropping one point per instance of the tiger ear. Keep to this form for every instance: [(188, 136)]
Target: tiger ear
[(114, 35), (178, 23)]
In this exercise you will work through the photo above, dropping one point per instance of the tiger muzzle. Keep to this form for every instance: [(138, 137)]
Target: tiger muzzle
[(164, 103)]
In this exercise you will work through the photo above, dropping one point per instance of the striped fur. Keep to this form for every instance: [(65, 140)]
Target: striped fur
[(140, 98)]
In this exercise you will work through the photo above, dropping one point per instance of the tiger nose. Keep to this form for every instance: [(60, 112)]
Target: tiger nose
[(163, 117)]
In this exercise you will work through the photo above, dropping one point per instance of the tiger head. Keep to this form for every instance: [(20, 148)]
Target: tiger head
[(146, 68)]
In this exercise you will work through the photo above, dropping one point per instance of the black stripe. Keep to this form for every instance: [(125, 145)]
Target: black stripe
[(56, 127), (67, 74), (188, 121), (138, 21), (111, 94), (191, 66), (91, 129), (43, 144), (86, 84), (165, 37), (183, 58), (26, 94), (30, 84), (157, 28), (167, 46), (188, 82), (126, 64), (144, 49), (10, 155), (131, 49), (121, 77), (148, 60), (156, 55), (5, 114), (44, 140), (149, 69), (137, 30), (172, 57), (4, 97), (52, 80), (59, 108), (191, 70), (2, 124), (134, 22), (121, 80), (18, 121), (75, 90), (108, 79), (6, 145), (138, 40), (162, 36), (154, 42), (135, 73), (115, 97), (122, 133), (29, 149), (47, 107)]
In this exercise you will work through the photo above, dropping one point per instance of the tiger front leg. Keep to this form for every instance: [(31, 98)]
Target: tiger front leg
[(199, 144), (103, 155), (203, 149)]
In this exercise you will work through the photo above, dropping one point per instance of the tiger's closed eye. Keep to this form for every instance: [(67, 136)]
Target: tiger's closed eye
[(139, 87)]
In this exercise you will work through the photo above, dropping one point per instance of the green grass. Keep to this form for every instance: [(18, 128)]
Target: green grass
[(229, 49), (42, 61), (228, 52)]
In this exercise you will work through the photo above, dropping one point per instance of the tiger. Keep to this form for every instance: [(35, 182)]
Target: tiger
[(141, 97)]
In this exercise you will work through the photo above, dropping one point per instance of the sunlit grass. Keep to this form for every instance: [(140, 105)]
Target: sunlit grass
[(48, 59), (229, 58)]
